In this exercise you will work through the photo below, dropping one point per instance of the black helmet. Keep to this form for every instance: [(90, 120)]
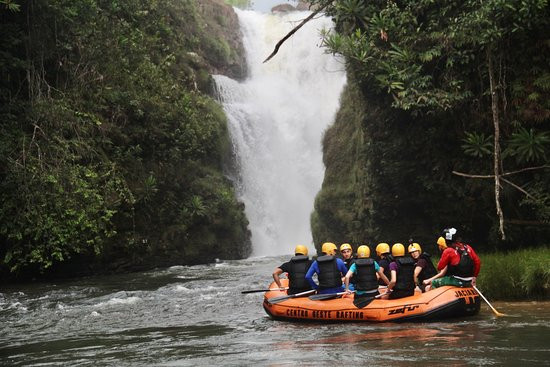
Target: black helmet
[(450, 234)]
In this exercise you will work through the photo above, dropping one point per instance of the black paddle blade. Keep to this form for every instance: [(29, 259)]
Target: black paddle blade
[(363, 302)]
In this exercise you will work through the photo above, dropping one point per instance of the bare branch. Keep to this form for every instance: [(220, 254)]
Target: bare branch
[(518, 187), (294, 30), (524, 170)]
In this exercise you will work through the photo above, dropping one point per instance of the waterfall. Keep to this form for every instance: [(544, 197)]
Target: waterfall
[(277, 117)]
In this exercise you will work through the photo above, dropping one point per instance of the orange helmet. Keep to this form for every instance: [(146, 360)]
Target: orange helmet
[(415, 247), (382, 248), (398, 249)]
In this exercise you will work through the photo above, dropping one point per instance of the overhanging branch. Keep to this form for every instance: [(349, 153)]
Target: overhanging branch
[(294, 30)]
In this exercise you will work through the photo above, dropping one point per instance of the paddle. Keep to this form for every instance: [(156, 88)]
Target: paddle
[(275, 300), (363, 302), (263, 290), (486, 301), (319, 297)]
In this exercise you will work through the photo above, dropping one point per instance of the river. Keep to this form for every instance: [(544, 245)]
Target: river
[(196, 315)]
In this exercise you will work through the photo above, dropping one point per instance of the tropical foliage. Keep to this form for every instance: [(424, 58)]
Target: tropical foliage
[(110, 149), (446, 87)]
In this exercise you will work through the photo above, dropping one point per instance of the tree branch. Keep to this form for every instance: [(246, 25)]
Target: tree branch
[(294, 30)]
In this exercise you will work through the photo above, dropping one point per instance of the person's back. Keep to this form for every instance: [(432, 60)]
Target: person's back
[(296, 270), (461, 261), (329, 270), (402, 273)]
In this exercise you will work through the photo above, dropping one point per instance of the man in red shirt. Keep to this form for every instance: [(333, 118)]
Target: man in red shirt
[(460, 261)]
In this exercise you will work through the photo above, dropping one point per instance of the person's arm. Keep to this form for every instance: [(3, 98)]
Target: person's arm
[(393, 280), (382, 276), (417, 271), (477, 264), (313, 269), (276, 273), (349, 274), (438, 275)]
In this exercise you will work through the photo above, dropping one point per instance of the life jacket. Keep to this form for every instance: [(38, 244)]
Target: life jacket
[(465, 267), (385, 263), (365, 278), (299, 266), (329, 276), (429, 271), (405, 274)]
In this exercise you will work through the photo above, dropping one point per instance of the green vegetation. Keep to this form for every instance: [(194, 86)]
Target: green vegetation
[(110, 148), (516, 275), (444, 123)]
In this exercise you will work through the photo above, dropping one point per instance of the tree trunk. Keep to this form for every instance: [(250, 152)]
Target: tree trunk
[(496, 124)]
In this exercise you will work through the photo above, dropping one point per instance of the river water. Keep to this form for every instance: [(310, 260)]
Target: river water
[(196, 315)]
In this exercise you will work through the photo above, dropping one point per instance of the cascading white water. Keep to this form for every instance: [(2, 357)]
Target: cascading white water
[(276, 119)]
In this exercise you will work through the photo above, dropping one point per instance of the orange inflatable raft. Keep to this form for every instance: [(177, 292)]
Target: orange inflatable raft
[(441, 303)]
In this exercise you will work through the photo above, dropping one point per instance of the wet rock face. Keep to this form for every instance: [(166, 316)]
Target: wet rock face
[(284, 8), (224, 50)]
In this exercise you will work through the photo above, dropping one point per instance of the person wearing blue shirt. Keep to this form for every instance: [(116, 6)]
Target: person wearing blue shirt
[(329, 269), (365, 270)]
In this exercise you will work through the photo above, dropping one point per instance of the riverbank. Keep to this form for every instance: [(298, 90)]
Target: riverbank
[(516, 275)]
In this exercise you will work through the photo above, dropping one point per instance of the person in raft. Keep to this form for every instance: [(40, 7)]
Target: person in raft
[(402, 273), (384, 260), (461, 261), (296, 270), (442, 245), (329, 269), (347, 255), (364, 271), (423, 267)]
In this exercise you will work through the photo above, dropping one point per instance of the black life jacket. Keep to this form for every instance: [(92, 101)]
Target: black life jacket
[(329, 276), (365, 278), (299, 266), (429, 271), (405, 274), (465, 267), (385, 263)]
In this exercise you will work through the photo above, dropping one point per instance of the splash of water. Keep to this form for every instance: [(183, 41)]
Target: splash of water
[(277, 117)]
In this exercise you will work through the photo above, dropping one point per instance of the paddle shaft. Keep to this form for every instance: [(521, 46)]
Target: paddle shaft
[(263, 290), (486, 301), (284, 298)]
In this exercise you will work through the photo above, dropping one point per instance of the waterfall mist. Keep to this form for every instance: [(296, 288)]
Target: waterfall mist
[(277, 117)]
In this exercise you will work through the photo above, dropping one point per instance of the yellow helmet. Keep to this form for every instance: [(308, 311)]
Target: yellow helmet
[(398, 249), (382, 248), (363, 251), (329, 248), (300, 250), (345, 246), (415, 247), (441, 243)]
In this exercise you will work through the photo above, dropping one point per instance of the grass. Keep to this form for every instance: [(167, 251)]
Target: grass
[(517, 275)]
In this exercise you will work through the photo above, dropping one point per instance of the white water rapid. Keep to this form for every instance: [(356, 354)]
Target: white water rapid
[(277, 117)]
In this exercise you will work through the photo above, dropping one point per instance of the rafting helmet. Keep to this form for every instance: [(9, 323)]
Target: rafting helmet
[(363, 251), (441, 243), (398, 249), (300, 250), (415, 247), (345, 246), (329, 248), (382, 248)]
